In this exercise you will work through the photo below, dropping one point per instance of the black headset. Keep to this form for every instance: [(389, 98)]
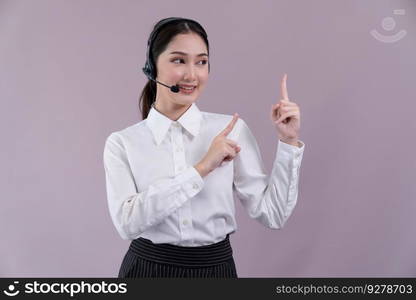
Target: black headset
[(150, 68)]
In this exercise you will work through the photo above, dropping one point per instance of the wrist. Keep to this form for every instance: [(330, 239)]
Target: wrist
[(202, 170), (293, 142)]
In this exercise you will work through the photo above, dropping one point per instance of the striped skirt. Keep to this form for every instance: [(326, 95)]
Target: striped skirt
[(145, 259)]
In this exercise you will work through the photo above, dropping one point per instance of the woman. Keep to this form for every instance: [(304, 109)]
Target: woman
[(170, 178)]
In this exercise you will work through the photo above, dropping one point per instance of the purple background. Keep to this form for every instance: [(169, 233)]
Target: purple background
[(70, 74)]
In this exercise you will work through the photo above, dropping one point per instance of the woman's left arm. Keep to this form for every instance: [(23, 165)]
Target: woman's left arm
[(270, 199)]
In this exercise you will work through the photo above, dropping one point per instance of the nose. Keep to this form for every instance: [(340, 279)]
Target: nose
[(190, 74)]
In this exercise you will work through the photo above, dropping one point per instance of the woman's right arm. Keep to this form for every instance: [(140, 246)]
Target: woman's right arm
[(132, 210)]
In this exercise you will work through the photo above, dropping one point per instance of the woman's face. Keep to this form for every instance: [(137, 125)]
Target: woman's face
[(184, 62)]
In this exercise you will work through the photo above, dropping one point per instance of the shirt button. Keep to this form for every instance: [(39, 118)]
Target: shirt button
[(185, 222), (195, 186)]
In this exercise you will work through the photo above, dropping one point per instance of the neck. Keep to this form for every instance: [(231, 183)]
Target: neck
[(171, 110)]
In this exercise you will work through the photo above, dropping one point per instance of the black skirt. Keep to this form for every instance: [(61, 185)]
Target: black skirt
[(145, 259)]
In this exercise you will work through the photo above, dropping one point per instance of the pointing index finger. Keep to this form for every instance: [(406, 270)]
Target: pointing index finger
[(284, 92), (230, 126)]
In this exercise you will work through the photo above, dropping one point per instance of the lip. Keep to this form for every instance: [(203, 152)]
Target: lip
[(187, 85), (186, 92)]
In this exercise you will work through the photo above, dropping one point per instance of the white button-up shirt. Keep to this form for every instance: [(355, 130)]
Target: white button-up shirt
[(154, 191)]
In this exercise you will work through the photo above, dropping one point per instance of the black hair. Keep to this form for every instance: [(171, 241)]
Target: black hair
[(163, 32)]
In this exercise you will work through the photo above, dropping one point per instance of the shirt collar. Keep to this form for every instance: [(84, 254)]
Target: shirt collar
[(159, 124)]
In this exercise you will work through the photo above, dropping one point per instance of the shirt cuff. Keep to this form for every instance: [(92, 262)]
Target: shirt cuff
[(290, 151), (192, 181)]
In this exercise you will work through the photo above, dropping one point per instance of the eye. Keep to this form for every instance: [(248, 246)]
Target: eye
[(201, 62), (176, 59)]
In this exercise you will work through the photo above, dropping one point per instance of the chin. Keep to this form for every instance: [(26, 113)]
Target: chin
[(186, 100)]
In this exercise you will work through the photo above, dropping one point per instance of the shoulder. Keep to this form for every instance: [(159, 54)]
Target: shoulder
[(124, 134), (220, 121)]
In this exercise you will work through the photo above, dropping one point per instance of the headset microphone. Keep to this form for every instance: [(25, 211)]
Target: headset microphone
[(173, 88)]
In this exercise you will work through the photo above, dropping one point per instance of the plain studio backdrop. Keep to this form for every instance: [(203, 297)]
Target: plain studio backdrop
[(70, 74)]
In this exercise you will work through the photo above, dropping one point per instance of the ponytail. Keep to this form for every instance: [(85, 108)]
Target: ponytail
[(147, 98)]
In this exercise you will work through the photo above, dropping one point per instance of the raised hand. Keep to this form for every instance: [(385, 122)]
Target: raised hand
[(285, 115), (221, 149)]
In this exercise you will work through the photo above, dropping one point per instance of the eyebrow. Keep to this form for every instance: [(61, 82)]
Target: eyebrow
[(183, 53)]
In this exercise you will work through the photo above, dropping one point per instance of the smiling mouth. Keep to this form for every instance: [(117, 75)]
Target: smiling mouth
[(186, 89)]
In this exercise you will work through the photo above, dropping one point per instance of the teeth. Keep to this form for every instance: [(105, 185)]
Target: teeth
[(187, 88)]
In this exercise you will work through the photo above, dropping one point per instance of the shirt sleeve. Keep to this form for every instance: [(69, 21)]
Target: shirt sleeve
[(133, 210), (270, 199)]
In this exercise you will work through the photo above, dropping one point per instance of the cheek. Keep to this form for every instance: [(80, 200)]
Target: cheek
[(203, 78), (169, 73), (175, 75)]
